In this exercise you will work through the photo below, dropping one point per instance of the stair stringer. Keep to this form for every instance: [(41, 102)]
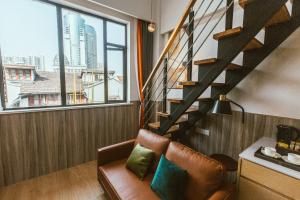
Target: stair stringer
[(228, 49), (253, 58)]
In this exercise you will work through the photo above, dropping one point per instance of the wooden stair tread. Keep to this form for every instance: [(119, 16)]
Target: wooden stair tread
[(233, 67), (188, 83), (178, 101), (176, 87), (163, 114), (205, 99), (181, 120), (173, 129), (243, 3), (190, 110), (281, 16), (156, 125), (253, 44), (218, 84), (206, 61), (228, 33)]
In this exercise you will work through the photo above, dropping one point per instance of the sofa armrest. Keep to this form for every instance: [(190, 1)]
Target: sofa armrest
[(226, 192), (114, 152)]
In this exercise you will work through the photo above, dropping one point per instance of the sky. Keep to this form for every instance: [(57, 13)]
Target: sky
[(30, 28)]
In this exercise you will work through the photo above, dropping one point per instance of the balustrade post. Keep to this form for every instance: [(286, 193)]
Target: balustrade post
[(229, 15), (190, 31), (165, 85)]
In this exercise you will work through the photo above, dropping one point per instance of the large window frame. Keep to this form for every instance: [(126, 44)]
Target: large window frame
[(106, 47)]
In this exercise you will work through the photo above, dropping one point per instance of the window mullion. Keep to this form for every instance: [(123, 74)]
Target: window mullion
[(125, 74), (2, 83), (105, 61), (61, 56)]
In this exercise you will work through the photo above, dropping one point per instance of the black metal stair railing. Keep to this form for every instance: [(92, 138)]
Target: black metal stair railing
[(156, 90), (256, 15)]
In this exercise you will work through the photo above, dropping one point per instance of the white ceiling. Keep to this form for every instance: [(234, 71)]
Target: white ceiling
[(137, 8)]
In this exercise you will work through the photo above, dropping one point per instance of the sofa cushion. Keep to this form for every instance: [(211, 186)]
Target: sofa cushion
[(205, 175), (169, 180), (140, 161), (123, 184), (156, 143)]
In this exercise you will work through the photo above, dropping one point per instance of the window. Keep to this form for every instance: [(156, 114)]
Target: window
[(20, 75), (89, 51), (83, 49), (116, 34), (116, 61), (28, 46), (115, 74)]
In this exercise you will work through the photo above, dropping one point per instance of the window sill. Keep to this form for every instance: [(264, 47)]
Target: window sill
[(34, 110)]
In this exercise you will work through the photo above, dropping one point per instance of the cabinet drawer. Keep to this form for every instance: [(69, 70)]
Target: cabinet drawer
[(276, 181), (249, 190)]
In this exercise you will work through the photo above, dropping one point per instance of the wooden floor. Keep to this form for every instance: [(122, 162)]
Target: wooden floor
[(77, 183)]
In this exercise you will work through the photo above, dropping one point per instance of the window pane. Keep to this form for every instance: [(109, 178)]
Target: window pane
[(29, 45), (83, 49), (115, 64), (115, 33)]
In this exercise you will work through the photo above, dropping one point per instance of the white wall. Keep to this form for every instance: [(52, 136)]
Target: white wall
[(272, 89), (137, 8), (172, 10)]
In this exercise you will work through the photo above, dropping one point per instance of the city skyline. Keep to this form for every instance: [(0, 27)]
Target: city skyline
[(39, 37), (30, 55)]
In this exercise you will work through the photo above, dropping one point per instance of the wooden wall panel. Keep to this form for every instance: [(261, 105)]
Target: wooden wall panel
[(37, 143), (228, 135)]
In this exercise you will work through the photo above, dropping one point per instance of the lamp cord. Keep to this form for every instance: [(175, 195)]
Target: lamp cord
[(243, 110)]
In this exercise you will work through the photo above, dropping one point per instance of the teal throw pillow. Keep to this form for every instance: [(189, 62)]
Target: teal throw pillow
[(169, 180)]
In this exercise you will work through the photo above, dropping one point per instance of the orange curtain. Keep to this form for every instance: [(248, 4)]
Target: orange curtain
[(140, 70)]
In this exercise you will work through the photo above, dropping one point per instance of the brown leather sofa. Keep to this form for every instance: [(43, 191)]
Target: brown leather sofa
[(206, 176)]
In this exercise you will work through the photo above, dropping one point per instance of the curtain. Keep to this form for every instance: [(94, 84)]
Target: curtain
[(144, 60)]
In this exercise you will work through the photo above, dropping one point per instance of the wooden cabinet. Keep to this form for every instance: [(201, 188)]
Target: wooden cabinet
[(249, 190), (261, 183)]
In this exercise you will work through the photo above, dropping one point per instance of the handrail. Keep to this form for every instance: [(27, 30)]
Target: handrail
[(227, 7), (174, 49), (170, 42), (189, 36)]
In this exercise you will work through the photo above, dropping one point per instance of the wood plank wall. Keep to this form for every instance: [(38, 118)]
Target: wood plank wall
[(229, 136), (37, 143)]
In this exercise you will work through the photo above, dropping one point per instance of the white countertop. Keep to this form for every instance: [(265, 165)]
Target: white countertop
[(248, 154)]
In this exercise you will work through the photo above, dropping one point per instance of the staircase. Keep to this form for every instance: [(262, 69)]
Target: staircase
[(271, 15)]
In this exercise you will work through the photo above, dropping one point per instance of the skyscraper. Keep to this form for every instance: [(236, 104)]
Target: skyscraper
[(74, 40), (90, 47), (80, 42)]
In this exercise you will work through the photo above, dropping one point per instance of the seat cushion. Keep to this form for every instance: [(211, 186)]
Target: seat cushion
[(121, 183), (205, 175), (156, 143)]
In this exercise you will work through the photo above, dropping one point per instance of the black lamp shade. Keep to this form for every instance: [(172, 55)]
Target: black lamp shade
[(222, 107)]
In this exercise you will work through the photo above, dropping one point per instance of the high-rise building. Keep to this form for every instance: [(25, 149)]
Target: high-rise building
[(37, 61), (74, 40), (90, 47), (80, 42)]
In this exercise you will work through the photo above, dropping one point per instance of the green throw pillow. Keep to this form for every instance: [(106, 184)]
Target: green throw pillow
[(140, 160), (169, 180)]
